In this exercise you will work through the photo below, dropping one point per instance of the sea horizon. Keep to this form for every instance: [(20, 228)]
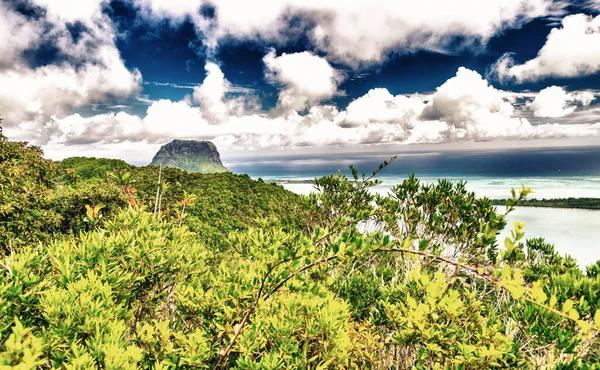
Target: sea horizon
[(551, 172)]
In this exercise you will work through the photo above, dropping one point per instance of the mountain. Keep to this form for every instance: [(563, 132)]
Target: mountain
[(190, 155)]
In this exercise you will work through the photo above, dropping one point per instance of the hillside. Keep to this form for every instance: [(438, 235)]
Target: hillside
[(218, 271), (223, 202)]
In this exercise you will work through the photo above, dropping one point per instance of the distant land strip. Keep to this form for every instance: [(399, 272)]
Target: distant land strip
[(282, 182), (574, 203), (579, 203)]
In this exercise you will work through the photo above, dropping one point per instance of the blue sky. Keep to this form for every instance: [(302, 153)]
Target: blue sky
[(120, 78)]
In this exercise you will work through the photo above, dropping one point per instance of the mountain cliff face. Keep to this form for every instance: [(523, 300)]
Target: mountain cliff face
[(190, 155)]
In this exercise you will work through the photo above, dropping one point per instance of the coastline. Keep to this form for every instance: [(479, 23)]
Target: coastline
[(588, 203), (562, 203)]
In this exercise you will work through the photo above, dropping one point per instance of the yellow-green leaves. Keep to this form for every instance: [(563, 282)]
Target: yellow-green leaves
[(442, 325), (22, 349), (518, 230), (537, 293), (569, 309)]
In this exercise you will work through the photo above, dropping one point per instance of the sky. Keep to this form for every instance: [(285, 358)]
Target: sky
[(120, 78)]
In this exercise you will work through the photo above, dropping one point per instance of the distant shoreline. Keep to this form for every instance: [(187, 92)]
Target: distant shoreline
[(570, 203), (285, 182), (565, 203)]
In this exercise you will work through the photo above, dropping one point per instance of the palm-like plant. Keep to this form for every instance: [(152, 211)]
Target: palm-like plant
[(163, 189), (188, 199), (125, 181)]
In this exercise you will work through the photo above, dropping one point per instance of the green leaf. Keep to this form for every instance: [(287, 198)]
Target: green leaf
[(509, 244), (537, 293), (506, 272)]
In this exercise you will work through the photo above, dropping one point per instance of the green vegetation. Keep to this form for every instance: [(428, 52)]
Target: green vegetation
[(190, 155), (220, 271), (186, 163), (224, 202), (581, 203), (94, 168)]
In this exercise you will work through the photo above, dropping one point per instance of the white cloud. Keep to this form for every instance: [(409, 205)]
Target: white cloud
[(71, 11), (56, 89), (463, 109), (473, 109), (585, 98), (378, 105), (211, 94), (88, 70), (219, 99), (552, 102), (18, 34), (305, 78), (106, 128), (555, 102), (570, 51), (177, 9), (463, 96), (358, 32)]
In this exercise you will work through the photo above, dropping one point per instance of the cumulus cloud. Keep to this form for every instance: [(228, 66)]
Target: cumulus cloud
[(555, 102), (473, 109), (379, 106), (464, 108), (305, 78), (211, 94), (357, 33), (572, 50), (39, 102), (177, 9), (88, 69), (55, 89), (18, 34), (552, 102), (72, 11), (219, 99), (585, 98), (464, 96)]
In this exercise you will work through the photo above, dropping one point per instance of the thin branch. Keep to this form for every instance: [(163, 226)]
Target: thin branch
[(157, 189), (484, 276), (249, 311)]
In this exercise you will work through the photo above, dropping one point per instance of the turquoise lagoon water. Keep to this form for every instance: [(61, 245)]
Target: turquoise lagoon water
[(492, 187), (572, 231), (551, 172)]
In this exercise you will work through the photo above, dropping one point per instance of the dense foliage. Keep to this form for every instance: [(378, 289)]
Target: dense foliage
[(94, 168), (220, 271), (39, 200)]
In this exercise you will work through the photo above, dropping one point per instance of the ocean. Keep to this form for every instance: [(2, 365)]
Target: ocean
[(551, 172)]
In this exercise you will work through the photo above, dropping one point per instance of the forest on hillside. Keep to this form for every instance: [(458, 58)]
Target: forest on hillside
[(103, 265)]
